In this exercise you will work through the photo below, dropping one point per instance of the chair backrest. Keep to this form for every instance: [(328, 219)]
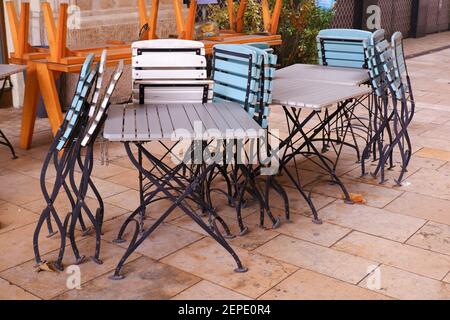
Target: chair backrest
[(170, 71), (372, 53), (79, 113), (84, 73), (269, 61), (244, 74), (400, 61), (236, 75), (96, 120), (342, 47), (384, 69), (98, 84)]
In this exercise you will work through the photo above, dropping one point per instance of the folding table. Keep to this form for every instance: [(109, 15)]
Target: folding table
[(312, 97), (135, 124), (6, 70), (324, 74)]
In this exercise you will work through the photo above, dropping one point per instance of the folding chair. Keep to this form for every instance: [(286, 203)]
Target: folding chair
[(391, 83), (244, 74), (345, 48), (167, 71), (78, 130)]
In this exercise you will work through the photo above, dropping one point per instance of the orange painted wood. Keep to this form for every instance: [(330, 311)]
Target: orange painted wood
[(190, 20), (30, 102), (46, 79), (143, 18), (51, 29), (179, 18), (153, 19), (14, 27), (24, 26), (266, 14), (240, 16), (276, 17), (61, 33), (231, 15)]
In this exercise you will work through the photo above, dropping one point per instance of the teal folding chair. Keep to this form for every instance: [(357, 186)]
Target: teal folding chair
[(342, 48), (345, 48), (391, 82), (244, 74)]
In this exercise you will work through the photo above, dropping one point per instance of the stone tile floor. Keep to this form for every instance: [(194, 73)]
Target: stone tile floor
[(396, 246)]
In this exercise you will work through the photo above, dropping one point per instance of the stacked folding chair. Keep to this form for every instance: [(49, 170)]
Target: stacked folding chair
[(391, 83), (344, 48), (244, 74), (170, 71), (66, 155)]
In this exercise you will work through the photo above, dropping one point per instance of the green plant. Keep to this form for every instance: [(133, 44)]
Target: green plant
[(252, 16), (300, 22)]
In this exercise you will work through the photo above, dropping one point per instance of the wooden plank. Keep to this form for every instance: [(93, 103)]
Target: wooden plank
[(276, 16), (14, 26), (266, 15), (241, 116), (142, 130), (24, 26), (129, 123), (50, 28), (170, 74), (231, 16), (113, 129), (192, 115), (154, 125), (61, 33), (153, 19), (190, 20), (180, 120), (49, 93), (221, 123), (179, 18), (205, 117), (30, 102), (164, 60), (165, 121), (143, 18), (240, 16)]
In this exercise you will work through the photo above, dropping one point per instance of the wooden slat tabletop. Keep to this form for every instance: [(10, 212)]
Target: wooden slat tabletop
[(134, 122), (336, 75), (10, 69), (313, 94)]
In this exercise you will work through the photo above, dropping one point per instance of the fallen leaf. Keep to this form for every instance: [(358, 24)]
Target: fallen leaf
[(357, 198), (46, 266)]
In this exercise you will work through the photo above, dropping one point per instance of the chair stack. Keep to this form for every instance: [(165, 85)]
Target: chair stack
[(78, 130), (342, 48), (244, 74), (391, 83), (170, 71)]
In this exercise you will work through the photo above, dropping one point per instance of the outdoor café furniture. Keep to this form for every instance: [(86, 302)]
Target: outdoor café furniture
[(45, 65), (235, 35), (135, 124), (80, 127), (6, 70), (244, 74), (392, 84), (168, 71), (302, 101), (325, 74)]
